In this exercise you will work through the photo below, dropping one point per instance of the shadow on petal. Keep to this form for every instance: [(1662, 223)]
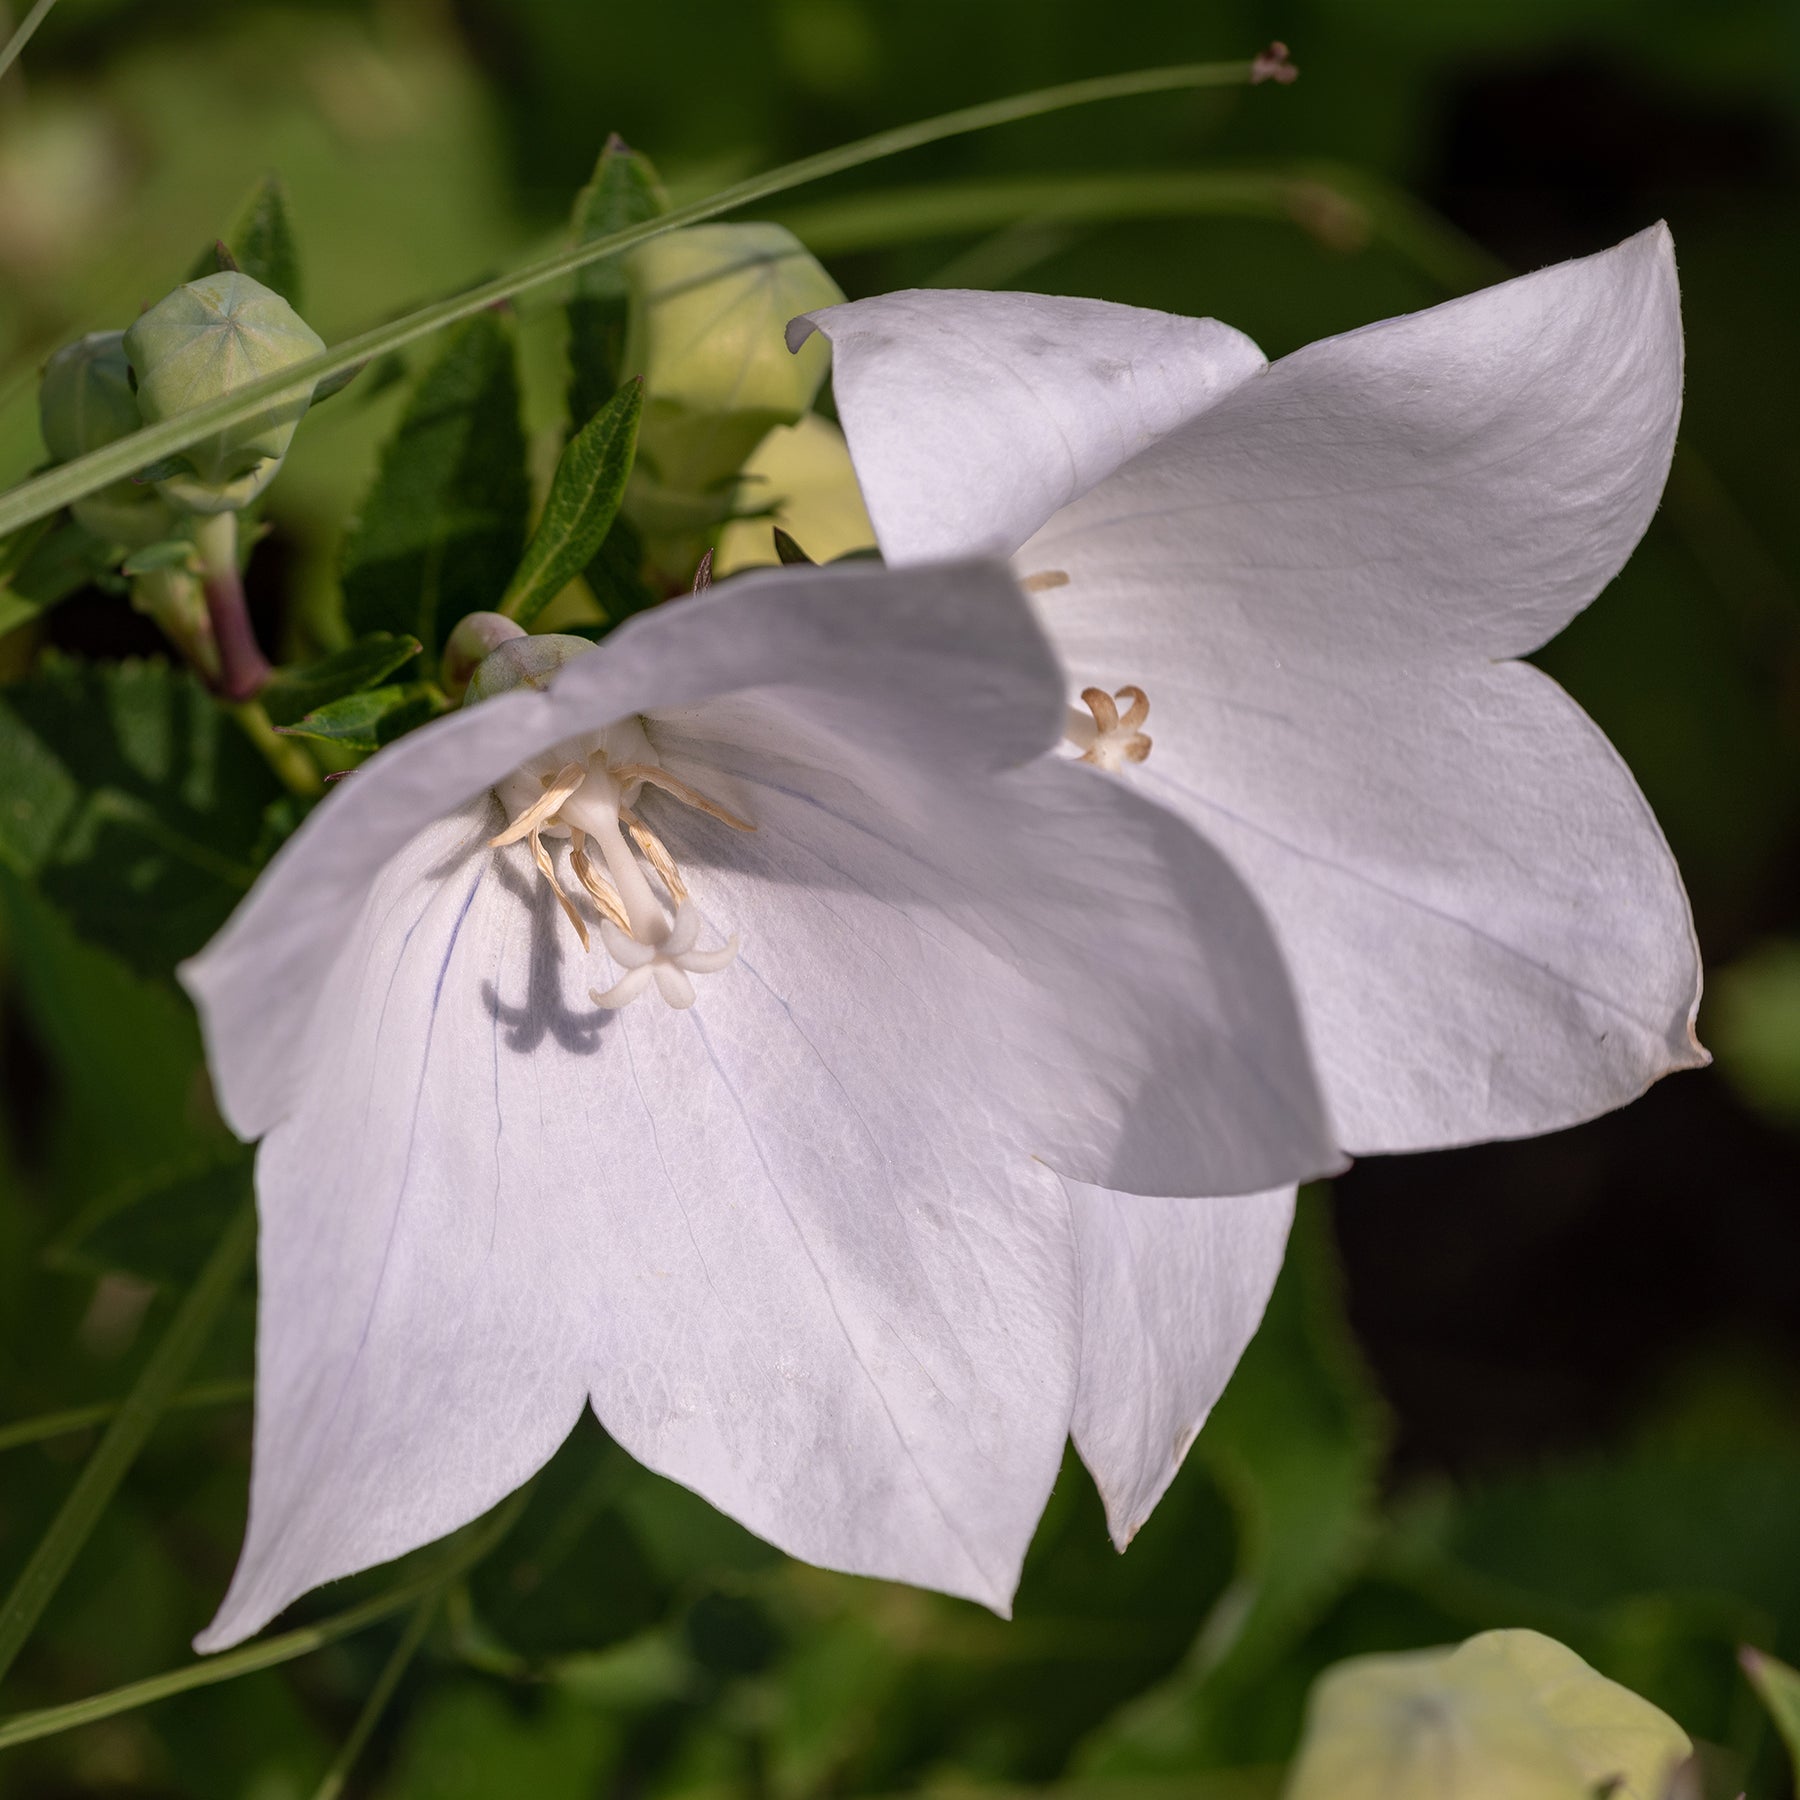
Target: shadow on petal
[(544, 1011)]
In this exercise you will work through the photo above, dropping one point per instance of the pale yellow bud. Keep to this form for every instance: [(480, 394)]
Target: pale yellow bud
[(1509, 1715), (708, 310)]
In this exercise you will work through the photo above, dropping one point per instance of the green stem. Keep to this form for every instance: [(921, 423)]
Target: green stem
[(379, 1696), (125, 1437), (297, 771), (80, 1418), (26, 32), (112, 462), (24, 1728)]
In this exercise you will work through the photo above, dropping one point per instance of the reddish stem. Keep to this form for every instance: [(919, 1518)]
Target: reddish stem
[(243, 669)]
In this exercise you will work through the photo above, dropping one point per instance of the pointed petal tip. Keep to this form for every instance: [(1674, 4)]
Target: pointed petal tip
[(800, 329)]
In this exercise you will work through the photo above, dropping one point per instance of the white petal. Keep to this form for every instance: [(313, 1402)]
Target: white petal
[(778, 1288), (1045, 938), (1488, 933), (257, 981), (1171, 1292), (1487, 930), (1458, 481), (972, 417), (794, 1240), (906, 691)]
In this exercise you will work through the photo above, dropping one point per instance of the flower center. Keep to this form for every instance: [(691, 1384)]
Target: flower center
[(1106, 737), (587, 792)]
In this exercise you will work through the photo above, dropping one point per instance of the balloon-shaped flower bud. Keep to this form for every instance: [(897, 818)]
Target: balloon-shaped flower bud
[(86, 401), (521, 662), (1509, 1715), (708, 309), (203, 341), (475, 637)]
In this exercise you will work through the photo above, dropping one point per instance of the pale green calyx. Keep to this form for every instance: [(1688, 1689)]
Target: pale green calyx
[(208, 339), (1509, 1715), (708, 309), (86, 401), (520, 662)]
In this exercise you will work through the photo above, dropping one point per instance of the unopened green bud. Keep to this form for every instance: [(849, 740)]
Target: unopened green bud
[(522, 662), (86, 401), (475, 637), (1509, 1715), (708, 309), (203, 341)]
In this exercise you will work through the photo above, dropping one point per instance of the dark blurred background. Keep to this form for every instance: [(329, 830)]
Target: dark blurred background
[(1572, 1398)]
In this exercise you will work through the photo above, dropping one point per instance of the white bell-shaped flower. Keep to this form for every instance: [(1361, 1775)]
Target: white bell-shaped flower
[(704, 1029), (1291, 599)]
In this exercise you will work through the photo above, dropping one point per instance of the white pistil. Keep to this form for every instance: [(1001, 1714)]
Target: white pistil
[(669, 964), (1106, 737), (586, 799)]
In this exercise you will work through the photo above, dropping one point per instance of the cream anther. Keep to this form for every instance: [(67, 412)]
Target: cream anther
[(1106, 737), (585, 791)]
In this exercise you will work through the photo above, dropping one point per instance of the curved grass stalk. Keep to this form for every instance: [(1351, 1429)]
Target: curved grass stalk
[(1343, 208), (379, 1696), (80, 1418), (125, 1437), (477, 1541), (117, 461), (26, 32)]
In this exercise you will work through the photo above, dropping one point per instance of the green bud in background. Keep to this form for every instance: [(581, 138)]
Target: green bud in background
[(1509, 1715), (86, 401), (208, 339), (521, 662), (708, 309), (473, 639)]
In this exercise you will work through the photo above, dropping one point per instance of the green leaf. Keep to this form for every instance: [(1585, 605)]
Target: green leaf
[(260, 242), (584, 500), (625, 191), (1297, 1442), (370, 719), (295, 692), (161, 1226), (122, 1054), (466, 1741), (441, 532), (1779, 1689), (131, 801), (45, 563)]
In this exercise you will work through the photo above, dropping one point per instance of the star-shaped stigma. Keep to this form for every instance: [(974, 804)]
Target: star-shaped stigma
[(668, 964)]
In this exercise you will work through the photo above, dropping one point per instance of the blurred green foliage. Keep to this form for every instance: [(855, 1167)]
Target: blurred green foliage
[(624, 1638)]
